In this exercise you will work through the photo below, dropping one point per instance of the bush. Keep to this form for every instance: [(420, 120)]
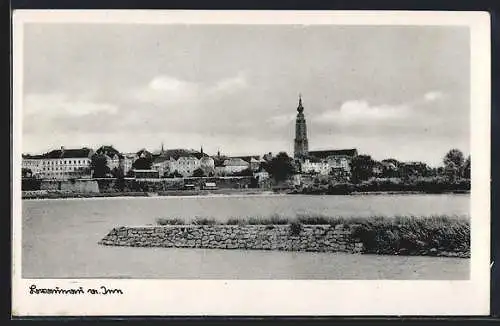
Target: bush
[(236, 221), (30, 184), (170, 221), (412, 235), (295, 228), (204, 221)]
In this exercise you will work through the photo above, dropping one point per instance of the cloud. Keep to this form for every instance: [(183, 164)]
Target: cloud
[(360, 111), (433, 96), (60, 104), (281, 120), (168, 89), (169, 84), (228, 85), (165, 89)]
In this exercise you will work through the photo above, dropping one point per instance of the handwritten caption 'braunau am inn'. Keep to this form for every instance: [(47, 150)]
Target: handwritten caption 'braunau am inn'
[(102, 290)]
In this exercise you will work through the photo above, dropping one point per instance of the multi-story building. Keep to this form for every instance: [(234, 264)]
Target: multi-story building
[(253, 161), (329, 161), (183, 161), (61, 164), (162, 165), (113, 157), (231, 166), (127, 161), (315, 166), (33, 164), (186, 165), (207, 164)]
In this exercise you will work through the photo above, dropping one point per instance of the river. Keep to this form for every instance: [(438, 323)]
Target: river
[(60, 238)]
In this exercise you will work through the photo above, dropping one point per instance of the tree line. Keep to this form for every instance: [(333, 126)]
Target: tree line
[(455, 167)]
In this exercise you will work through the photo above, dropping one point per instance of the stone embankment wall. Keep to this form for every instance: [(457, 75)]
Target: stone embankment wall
[(166, 184), (76, 186), (323, 238)]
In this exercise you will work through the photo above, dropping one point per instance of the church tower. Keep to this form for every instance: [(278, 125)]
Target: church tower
[(301, 146)]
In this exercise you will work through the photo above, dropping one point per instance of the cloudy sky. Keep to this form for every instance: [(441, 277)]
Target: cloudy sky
[(400, 92)]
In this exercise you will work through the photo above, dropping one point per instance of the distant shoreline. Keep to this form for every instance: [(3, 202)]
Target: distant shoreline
[(211, 193)]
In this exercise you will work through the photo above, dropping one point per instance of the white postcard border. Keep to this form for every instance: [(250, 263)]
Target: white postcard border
[(276, 297)]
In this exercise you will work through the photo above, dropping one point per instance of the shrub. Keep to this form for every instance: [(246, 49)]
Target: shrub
[(170, 221), (204, 221), (235, 221), (276, 219), (313, 220), (295, 228), (413, 235)]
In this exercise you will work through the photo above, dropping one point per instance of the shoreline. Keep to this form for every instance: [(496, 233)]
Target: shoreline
[(210, 193)]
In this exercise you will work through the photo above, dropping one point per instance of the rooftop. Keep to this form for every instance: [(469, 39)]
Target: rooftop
[(69, 153), (235, 161), (180, 152), (333, 152)]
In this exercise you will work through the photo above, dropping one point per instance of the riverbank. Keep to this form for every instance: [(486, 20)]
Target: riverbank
[(228, 192), (423, 186), (443, 236), (175, 193)]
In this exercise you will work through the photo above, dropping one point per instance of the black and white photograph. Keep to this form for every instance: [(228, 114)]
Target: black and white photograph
[(296, 147)]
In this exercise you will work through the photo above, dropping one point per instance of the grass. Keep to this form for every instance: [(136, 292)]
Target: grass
[(406, 221), (400, 235), (413, 235), (170, 221)]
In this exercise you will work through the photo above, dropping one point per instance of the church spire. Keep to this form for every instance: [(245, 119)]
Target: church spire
[(201, 149), (162, 150), (300, 108)]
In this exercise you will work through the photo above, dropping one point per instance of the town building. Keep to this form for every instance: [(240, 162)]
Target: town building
[(61, 164), (114, 159), (254, 162), (127, 162), (207, 164), (231, 166), (33, 164), (182, 161), (162, 165), (186, 165), (261, 175)]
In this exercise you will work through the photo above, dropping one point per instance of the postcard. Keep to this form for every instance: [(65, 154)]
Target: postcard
[(251, 163)]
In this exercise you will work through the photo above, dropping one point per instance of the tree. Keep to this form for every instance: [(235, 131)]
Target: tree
[(362, 168), (245, 173), (175, 174), (99, 165), (418, 169), (26, 173), (280, 167), (391, 168), (142, 163), (466, 169), (453, 164), (117, 172), (455, 157), (199, 173)]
